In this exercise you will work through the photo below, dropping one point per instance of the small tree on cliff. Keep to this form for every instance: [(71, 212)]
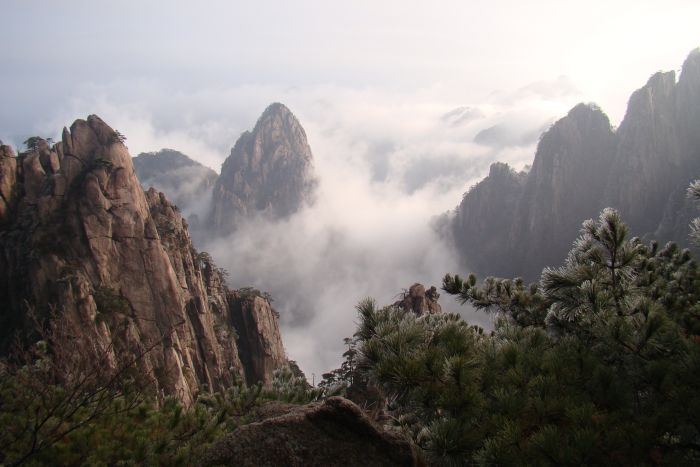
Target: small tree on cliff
[(32, 143)]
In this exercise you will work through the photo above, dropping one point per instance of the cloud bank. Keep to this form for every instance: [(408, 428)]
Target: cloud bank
[(388, 163)]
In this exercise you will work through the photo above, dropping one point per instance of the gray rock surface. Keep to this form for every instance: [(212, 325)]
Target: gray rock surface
[(331, 433), (515, 224), (259, 341), (269, 172)]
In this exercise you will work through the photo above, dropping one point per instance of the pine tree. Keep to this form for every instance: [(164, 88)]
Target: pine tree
[(598, 363)]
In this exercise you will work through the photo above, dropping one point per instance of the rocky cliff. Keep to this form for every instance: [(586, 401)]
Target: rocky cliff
[(259, 341), (515, 224), (79, 238), (485, 215), (269, 172), (563, 187)]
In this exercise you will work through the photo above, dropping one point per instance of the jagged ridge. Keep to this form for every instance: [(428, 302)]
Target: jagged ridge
[(514, 224), (79, 236)]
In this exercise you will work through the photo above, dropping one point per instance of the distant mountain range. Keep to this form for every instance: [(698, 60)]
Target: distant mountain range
[(514, 224), (268, 173)]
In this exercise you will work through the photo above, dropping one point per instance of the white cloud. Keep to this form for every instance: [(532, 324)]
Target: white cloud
[(388, 161)]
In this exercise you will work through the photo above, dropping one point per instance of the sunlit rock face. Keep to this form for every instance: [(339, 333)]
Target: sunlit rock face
[(269, 172), (420, 301), (80, 238), (515, 224)]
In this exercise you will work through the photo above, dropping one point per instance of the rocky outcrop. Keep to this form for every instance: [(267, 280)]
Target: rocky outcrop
[(515, 224), (420, 301), (187, 183), (259, 340), (8, 181), (485, 216), (269, 172), (81, 239), (334, 432)]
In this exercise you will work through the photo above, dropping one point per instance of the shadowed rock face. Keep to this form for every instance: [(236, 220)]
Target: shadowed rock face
[(79, 236), (183, 180), (334, 432), (259, 341), (269, 172), (515, 224)]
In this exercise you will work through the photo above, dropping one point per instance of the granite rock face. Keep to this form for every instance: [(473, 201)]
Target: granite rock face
[(259, 341), (420, 301), (269, 172), (515, 224), (79, 237), (334, 432)]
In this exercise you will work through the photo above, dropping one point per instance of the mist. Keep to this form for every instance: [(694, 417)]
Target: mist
[(371, 232), (405, 106), (389, 164)]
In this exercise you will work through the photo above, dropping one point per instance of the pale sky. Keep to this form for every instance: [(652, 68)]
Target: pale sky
[(405, 104), (53, 53)]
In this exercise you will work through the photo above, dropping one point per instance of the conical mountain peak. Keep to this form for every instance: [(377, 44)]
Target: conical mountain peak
[(269, 172)]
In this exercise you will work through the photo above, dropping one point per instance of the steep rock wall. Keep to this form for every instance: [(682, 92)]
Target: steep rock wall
[(269, 172), (80, 238), (507, 228)]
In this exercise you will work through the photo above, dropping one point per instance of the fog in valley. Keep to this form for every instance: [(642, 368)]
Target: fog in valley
[(404, 109)]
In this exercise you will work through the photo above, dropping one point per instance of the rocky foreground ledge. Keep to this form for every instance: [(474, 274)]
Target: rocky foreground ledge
[(333, 432)]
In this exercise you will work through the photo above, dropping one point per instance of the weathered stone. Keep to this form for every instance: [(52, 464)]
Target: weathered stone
[(269, 172), (334, 432), (85, 240), (259, 341), (420, 301)]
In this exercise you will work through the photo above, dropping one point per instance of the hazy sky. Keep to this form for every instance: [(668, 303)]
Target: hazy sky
[(405, 104)]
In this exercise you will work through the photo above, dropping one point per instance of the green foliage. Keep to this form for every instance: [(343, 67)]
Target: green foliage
[(338, 381), (110, 301), (598, 364), (32, 143), (250, 292), (63, 401), (289, 385), (694, 193), (122, 429), (117, 137)]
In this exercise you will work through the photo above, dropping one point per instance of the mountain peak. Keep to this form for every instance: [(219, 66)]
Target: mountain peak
[(269, 171), (276, 108), (119, 265)]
